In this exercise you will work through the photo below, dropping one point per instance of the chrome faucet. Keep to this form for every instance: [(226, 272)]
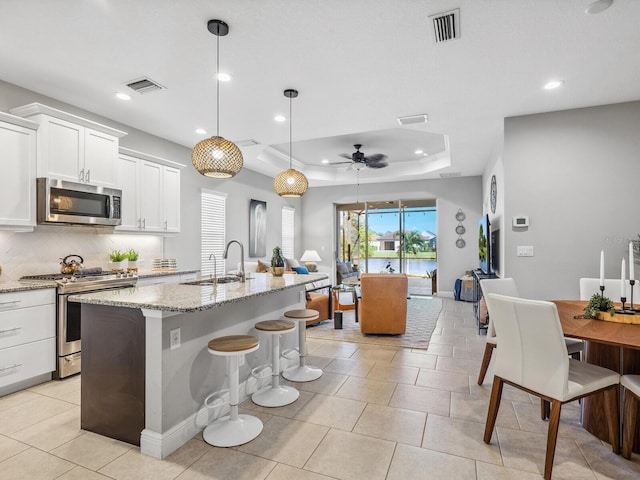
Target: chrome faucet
[(226, 251), (215, 269)]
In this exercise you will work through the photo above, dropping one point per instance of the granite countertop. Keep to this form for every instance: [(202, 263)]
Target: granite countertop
[(9, 286), (192, 298)]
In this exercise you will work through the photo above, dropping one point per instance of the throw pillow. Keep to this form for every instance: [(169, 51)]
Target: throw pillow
[(291, 262), (341, 268), (263, 267), (301, 270)]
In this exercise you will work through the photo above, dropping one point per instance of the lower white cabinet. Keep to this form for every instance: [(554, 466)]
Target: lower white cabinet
[(164, 279), (150, 193), (27, 336)]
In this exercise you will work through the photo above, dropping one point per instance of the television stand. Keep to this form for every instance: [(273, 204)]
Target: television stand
[(479, 307)]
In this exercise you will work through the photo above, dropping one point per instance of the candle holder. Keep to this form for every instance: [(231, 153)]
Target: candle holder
[(631, 307), (603, 302), (623, 310)]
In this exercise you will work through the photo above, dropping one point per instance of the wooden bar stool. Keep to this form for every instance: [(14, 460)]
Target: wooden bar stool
[(275, 395), (233, 429), (631, 383), (303, 372)]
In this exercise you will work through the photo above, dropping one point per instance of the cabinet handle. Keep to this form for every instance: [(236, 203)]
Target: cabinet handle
[(81, 175), (165, 225), (10, 330), (144, 223), (88, 176), (15, 365)]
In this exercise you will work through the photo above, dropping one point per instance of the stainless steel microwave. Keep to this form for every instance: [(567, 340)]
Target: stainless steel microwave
[(62, 202)]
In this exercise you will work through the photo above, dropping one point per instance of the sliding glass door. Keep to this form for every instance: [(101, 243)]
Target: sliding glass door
[(394, 237)]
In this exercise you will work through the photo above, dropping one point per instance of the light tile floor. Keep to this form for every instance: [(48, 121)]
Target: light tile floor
[(376, 413)]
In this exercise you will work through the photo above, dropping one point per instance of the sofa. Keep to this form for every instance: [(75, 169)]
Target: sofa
[(382, 307), (345, 271)]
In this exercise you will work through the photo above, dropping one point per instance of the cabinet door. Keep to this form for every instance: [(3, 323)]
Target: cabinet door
[(150, 184), (100, 154), (127, 180), (62, 150), (171, 199), (17, 182)]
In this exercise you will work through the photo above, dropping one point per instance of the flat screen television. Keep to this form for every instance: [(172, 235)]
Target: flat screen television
[(484, 244)]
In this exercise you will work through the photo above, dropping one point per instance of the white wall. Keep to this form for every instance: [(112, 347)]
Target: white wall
[(575, 173), (497, 218), (466, 193)]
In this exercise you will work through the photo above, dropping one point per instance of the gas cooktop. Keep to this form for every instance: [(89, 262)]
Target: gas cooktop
[(85, 281)]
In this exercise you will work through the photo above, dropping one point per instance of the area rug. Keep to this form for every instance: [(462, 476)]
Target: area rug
[(422, 315)]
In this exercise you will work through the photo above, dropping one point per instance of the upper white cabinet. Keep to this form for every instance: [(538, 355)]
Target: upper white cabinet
[(150, 193), (73, 148), (17, 182)]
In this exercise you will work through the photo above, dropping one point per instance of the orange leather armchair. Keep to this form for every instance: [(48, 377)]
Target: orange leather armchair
[(321, 303), (382, 307)]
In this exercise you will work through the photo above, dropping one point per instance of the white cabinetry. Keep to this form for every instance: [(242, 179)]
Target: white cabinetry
[(73, 148), (165, 279), (18, 179), (27, 338), (150, 193)]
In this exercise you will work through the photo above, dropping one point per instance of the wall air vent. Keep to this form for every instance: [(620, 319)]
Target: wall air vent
[(422, 118), (144, 85), (446, 26)]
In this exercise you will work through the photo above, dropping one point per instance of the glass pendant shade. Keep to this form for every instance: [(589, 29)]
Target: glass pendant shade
[(290, 183), (216, 157)]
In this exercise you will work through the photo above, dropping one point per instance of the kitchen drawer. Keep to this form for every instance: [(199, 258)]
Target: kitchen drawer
[(25, 325), (30, 298), (26, 361)]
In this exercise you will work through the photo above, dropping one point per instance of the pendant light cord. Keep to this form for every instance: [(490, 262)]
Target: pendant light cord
[(217, 85), (290, 127)]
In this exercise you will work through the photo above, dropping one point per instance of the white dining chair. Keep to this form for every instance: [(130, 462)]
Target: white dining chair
[(533, 357), (507, 286), (631, 384), (590, 286)]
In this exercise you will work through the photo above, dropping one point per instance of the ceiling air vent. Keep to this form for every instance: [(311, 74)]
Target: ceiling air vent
[(250, 142), (446, 26), (422, 118), (450, 174), (144, 85)]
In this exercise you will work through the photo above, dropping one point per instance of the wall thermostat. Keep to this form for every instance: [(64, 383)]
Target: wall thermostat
[(521, 221)]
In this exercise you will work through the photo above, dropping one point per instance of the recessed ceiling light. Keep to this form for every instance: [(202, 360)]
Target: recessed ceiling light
[(224, 77), (201, 131), (598, 6), (553, 84), (418, 152), (123, 96), (324, 160), (279, 118)]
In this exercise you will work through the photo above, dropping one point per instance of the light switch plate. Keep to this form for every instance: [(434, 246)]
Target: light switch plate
[(525, 251), (174, 338)]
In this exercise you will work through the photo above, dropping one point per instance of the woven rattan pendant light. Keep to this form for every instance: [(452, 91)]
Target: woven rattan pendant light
[(290, 182), (216, 157)]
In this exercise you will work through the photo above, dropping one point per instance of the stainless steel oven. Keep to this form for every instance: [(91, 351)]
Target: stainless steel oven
[(68, 318)]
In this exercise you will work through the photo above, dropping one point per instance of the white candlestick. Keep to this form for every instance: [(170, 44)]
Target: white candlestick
[(632, 275), (623, 283), (602, 268)]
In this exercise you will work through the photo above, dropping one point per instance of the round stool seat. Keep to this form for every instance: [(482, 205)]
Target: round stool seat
[(275, 326), (233, 345), (305, 314)]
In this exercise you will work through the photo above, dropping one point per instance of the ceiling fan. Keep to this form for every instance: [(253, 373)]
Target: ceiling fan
[(376, 160)]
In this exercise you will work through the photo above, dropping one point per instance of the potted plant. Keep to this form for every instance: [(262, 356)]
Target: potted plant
[(132, 257), (117, 260), (598, 303), (277, 262)]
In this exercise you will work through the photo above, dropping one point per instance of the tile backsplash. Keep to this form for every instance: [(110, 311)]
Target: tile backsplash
[(40, 251)]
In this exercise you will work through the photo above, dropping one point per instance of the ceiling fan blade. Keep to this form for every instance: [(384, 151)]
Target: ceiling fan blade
[(376, 157), (336, 163), (380, 164), (345, 155)]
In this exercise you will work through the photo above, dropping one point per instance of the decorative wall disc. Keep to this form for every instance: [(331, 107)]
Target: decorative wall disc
[(460, 229), (460, 216), (460, 243)]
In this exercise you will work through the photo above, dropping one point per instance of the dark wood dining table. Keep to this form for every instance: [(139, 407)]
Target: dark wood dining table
[(609, 344)]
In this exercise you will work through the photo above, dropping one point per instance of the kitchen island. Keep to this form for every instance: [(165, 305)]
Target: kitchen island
[(146, 370)]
